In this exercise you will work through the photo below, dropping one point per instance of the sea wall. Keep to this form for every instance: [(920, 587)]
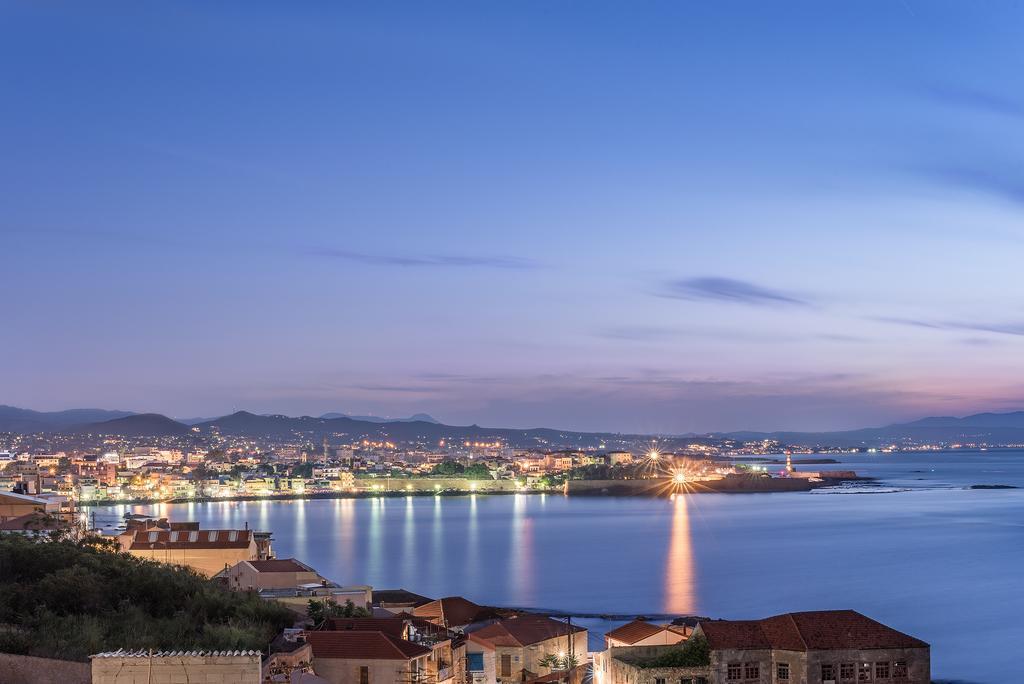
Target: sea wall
[(664, 486), (434, 484)]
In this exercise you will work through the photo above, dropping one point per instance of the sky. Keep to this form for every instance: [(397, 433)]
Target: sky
[(644, 217)]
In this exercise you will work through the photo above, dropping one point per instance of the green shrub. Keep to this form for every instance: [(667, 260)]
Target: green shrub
[(65, 599)]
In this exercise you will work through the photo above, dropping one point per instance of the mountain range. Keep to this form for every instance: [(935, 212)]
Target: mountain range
[(993, 428), (416, 417)]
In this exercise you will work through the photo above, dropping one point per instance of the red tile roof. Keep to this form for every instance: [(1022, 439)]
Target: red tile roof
[(809, 631), (451, 611), (357, 645), (144, 540), (279, 565), (523, 631), (634, 631), (392, 626)]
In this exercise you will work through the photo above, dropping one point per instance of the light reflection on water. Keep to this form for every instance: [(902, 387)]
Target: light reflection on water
[(933, 561), (679, 569)]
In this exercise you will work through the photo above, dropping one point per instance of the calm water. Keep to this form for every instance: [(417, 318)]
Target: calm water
[(917, 550)]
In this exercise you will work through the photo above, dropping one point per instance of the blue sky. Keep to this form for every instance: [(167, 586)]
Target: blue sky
[(659, 216)]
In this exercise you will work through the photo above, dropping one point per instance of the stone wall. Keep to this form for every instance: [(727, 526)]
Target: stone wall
[(212, 668), (30, 670)]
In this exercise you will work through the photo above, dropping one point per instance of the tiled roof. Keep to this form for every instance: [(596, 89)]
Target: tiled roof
[(279, 565), (452, 611), (523, 631), (363, 646), (398, 597), (172, 654), (808, 631), (392, 626), (32, 522), (145, 540), (634, 631)]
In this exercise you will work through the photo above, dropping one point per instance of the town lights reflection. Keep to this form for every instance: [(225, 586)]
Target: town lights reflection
[(679, 579)]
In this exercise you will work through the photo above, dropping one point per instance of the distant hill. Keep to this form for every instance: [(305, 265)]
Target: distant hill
[(417, 417), (244, 423), (993, 428), (138, 425), (13, 419)]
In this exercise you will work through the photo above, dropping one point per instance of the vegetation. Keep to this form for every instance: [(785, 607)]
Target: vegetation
[(476, 471), (68, 599), (618, 471), (321, 611), (693, 652), (554, 662)]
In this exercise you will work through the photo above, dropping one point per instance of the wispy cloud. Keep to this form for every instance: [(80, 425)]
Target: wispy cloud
[(431, 260), (730, 290), (1006, 186), (1011, 328), (977, 100)]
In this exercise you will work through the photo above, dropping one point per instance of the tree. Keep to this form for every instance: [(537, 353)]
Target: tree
[(449, 469), (694, 652), (70, 598), (321, 611), (559, 662), (477, 471)]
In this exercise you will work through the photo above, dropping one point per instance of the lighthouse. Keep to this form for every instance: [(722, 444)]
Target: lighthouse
[(789, 461)]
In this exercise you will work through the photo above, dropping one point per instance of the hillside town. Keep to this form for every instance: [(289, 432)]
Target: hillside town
[(347, 633), (121, 473)]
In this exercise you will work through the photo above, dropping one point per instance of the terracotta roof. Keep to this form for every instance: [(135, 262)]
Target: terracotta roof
[(451, 611), (634, 631), (809, 631), (279, 565), (144, 540), (392, 626), (33, 522), (398, 597), (523, 631), (363, 646)]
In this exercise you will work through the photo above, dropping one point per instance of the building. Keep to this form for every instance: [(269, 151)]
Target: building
[(131, 667), (206, 551), (291, 582), (819, 647), (514, 648), (453, 612), (367, 657), (275, 573), (815, 647), (397, 600), (14, 505), (643, 633)]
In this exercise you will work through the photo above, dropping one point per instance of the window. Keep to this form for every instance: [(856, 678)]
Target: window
[(846, 671), (364, 675), (899, 669), (828, 672), (734, 671), (685, 680), (881, 670), (864, 672), (659, 680), (782, 672), (702, 680), (753, 671)]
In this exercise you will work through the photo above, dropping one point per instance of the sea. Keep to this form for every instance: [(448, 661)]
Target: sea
[(917, 548)]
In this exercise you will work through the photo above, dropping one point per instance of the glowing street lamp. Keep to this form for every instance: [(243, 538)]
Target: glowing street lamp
[(654, 454)]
